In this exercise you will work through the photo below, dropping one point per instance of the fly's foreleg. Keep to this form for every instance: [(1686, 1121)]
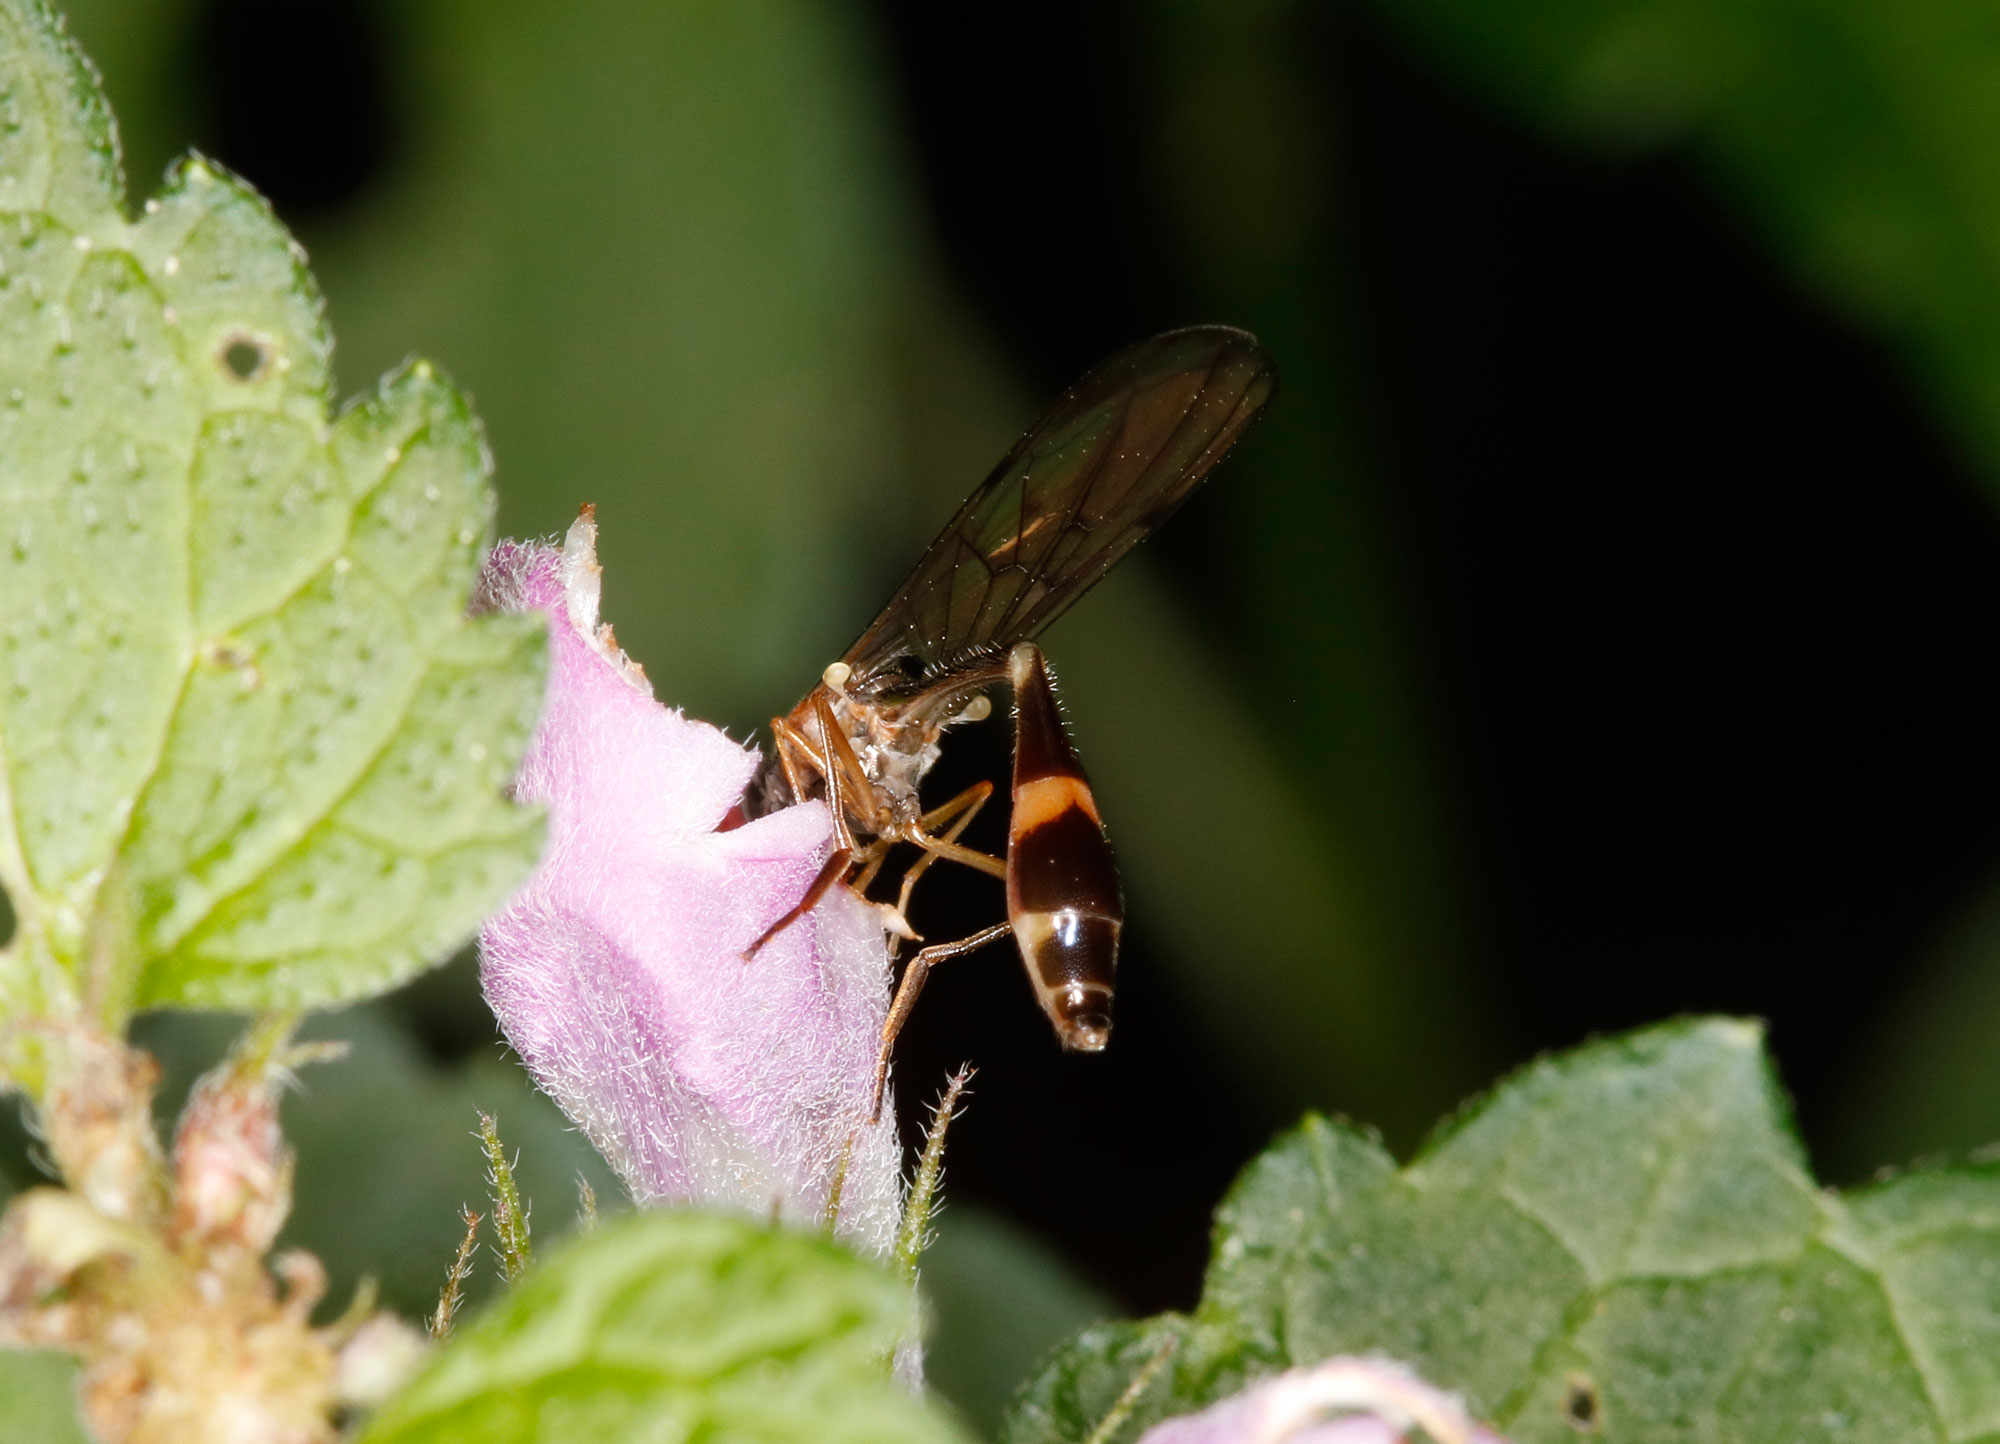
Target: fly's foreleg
[(796, 753), (849, 795), (793, 748), (831, 872)]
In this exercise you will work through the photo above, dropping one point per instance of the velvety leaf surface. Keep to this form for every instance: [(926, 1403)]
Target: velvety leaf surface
[(1624, 1237), (677, 1326), (251, 751)]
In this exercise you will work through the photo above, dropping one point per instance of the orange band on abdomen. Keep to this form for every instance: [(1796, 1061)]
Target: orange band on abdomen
[(1046, 798)]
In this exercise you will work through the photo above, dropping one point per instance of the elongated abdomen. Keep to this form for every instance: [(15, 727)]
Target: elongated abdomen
[(1062, 886)]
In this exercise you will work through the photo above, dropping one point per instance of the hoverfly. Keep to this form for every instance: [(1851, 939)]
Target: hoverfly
[(1107, 463)]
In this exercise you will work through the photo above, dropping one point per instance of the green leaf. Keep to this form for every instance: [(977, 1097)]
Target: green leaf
[(676, 1326), (39, 1391), (1631, 1225), (1931, 1239), (252, 753)]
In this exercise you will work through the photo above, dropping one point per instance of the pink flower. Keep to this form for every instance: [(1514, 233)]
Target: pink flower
[(1341, 1401), (617, 974)]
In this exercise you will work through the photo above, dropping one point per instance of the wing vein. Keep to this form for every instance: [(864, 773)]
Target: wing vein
[(1103, 466)]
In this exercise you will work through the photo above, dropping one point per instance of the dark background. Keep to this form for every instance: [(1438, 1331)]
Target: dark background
[(1600, 628)]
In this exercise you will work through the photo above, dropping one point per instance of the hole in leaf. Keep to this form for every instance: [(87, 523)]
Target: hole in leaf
[(245, 357), (6, 918), (1581, 1409)]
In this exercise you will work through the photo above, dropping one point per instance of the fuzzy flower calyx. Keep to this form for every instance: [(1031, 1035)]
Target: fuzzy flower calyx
[(617, 971)]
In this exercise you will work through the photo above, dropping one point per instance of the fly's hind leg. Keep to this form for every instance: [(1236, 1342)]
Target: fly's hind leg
[(914, 973)]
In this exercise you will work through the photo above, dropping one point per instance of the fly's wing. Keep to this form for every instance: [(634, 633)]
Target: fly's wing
[(1109, 462)]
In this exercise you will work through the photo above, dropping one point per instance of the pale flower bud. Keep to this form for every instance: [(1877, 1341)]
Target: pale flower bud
[(1340, 1401)]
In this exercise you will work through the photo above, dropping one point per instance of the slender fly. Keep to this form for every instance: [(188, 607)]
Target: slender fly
[(1108, 462)]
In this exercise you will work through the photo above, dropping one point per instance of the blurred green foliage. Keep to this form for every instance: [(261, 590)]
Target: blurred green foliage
[(999, 1302), (40, 1402)]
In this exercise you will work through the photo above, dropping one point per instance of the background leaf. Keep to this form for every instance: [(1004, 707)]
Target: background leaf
[(40, 1394), (1630, 1226), (676, 1325), (254, 751)]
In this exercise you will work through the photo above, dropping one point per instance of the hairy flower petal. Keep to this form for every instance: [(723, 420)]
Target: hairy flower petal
[(617, 974)]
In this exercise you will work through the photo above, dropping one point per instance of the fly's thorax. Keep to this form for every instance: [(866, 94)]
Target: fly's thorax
[(896, 750)]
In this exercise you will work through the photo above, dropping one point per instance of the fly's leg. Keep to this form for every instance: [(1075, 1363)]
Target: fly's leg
[(856, 796), (793, 745), (914, 973), (848, 794), (869, 860), (790, 745), (831, 872), (964, 808), (838, 862), (952, 852)]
